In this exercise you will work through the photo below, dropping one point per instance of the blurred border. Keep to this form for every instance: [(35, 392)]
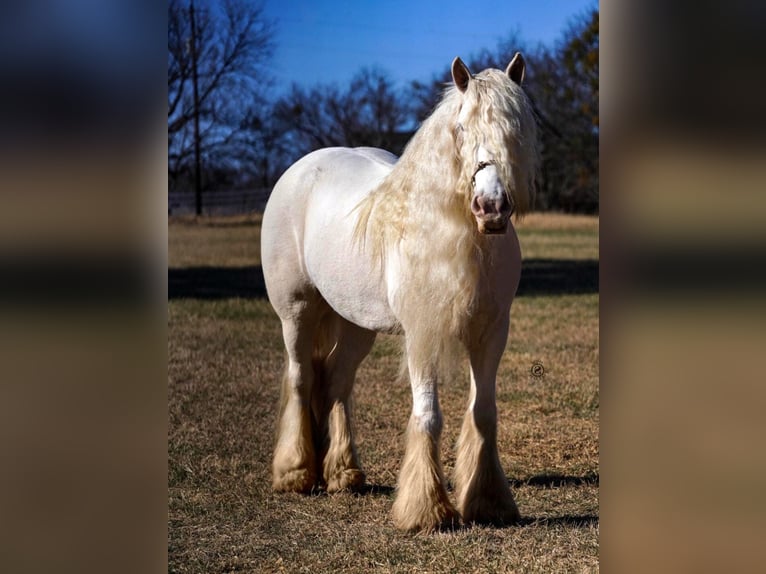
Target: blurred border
[(683, 249), (83, 198), (83, 261)]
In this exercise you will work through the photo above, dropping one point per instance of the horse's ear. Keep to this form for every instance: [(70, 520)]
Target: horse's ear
[(460, 74), (516, 67)]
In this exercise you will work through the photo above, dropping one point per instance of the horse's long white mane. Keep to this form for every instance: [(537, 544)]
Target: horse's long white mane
[(422, 208)]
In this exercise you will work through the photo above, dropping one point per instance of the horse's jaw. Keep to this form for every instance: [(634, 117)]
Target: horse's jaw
[(494, 226)]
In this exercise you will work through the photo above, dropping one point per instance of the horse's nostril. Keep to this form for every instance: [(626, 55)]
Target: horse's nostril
[(491, 209), (476, 207), (483, 206)]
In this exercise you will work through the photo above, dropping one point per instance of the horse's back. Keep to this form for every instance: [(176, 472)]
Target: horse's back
[(307, 234), (381, 156), (344, 172)]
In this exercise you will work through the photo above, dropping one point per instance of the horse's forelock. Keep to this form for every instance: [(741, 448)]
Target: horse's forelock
[(499, 117)]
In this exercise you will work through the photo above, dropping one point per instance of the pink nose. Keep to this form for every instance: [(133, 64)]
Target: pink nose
[(486, 208)]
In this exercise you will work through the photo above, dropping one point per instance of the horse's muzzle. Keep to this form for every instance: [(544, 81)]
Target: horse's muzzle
[(491, 215)]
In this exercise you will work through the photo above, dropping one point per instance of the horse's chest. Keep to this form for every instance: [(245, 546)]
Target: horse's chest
[(500, 276)]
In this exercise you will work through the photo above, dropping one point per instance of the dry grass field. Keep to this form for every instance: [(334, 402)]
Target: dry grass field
[(225, 363)]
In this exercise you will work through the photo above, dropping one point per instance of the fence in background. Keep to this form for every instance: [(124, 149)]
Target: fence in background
[(232, 202)]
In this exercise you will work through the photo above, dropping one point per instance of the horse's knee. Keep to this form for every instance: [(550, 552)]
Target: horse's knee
[(426, 414)]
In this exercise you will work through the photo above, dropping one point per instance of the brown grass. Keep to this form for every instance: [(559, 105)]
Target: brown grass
[(225, 363), (558, 236)]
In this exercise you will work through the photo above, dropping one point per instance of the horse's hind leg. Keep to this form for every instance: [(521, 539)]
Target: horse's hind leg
[(348, 346), (294, 465)]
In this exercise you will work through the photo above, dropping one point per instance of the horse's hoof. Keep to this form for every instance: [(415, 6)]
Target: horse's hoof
[(298, 480), (349, 479), (436, 518), (498, 512)]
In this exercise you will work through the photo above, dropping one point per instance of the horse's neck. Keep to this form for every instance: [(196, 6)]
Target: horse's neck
[(426, 173), (418, 207)]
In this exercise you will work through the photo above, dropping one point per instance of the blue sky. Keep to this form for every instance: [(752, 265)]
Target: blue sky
[(330, 40)]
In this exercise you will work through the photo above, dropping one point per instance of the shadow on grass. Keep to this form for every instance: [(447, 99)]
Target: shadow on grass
[(216, 283), (549, 481), (558, 277), (538, 277), (554, 480), (376, 490), (366, 490), (573, 521), (577, 521)]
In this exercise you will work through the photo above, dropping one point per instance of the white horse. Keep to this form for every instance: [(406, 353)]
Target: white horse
[(355, 242)]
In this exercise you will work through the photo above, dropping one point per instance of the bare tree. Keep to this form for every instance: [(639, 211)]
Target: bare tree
[(379, 110), (225, 44), (309, 116), (265, 146), (564, 84), (369, 112)]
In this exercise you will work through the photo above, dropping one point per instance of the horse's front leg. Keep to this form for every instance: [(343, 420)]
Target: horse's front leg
[(482, 490), (421, 499)]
